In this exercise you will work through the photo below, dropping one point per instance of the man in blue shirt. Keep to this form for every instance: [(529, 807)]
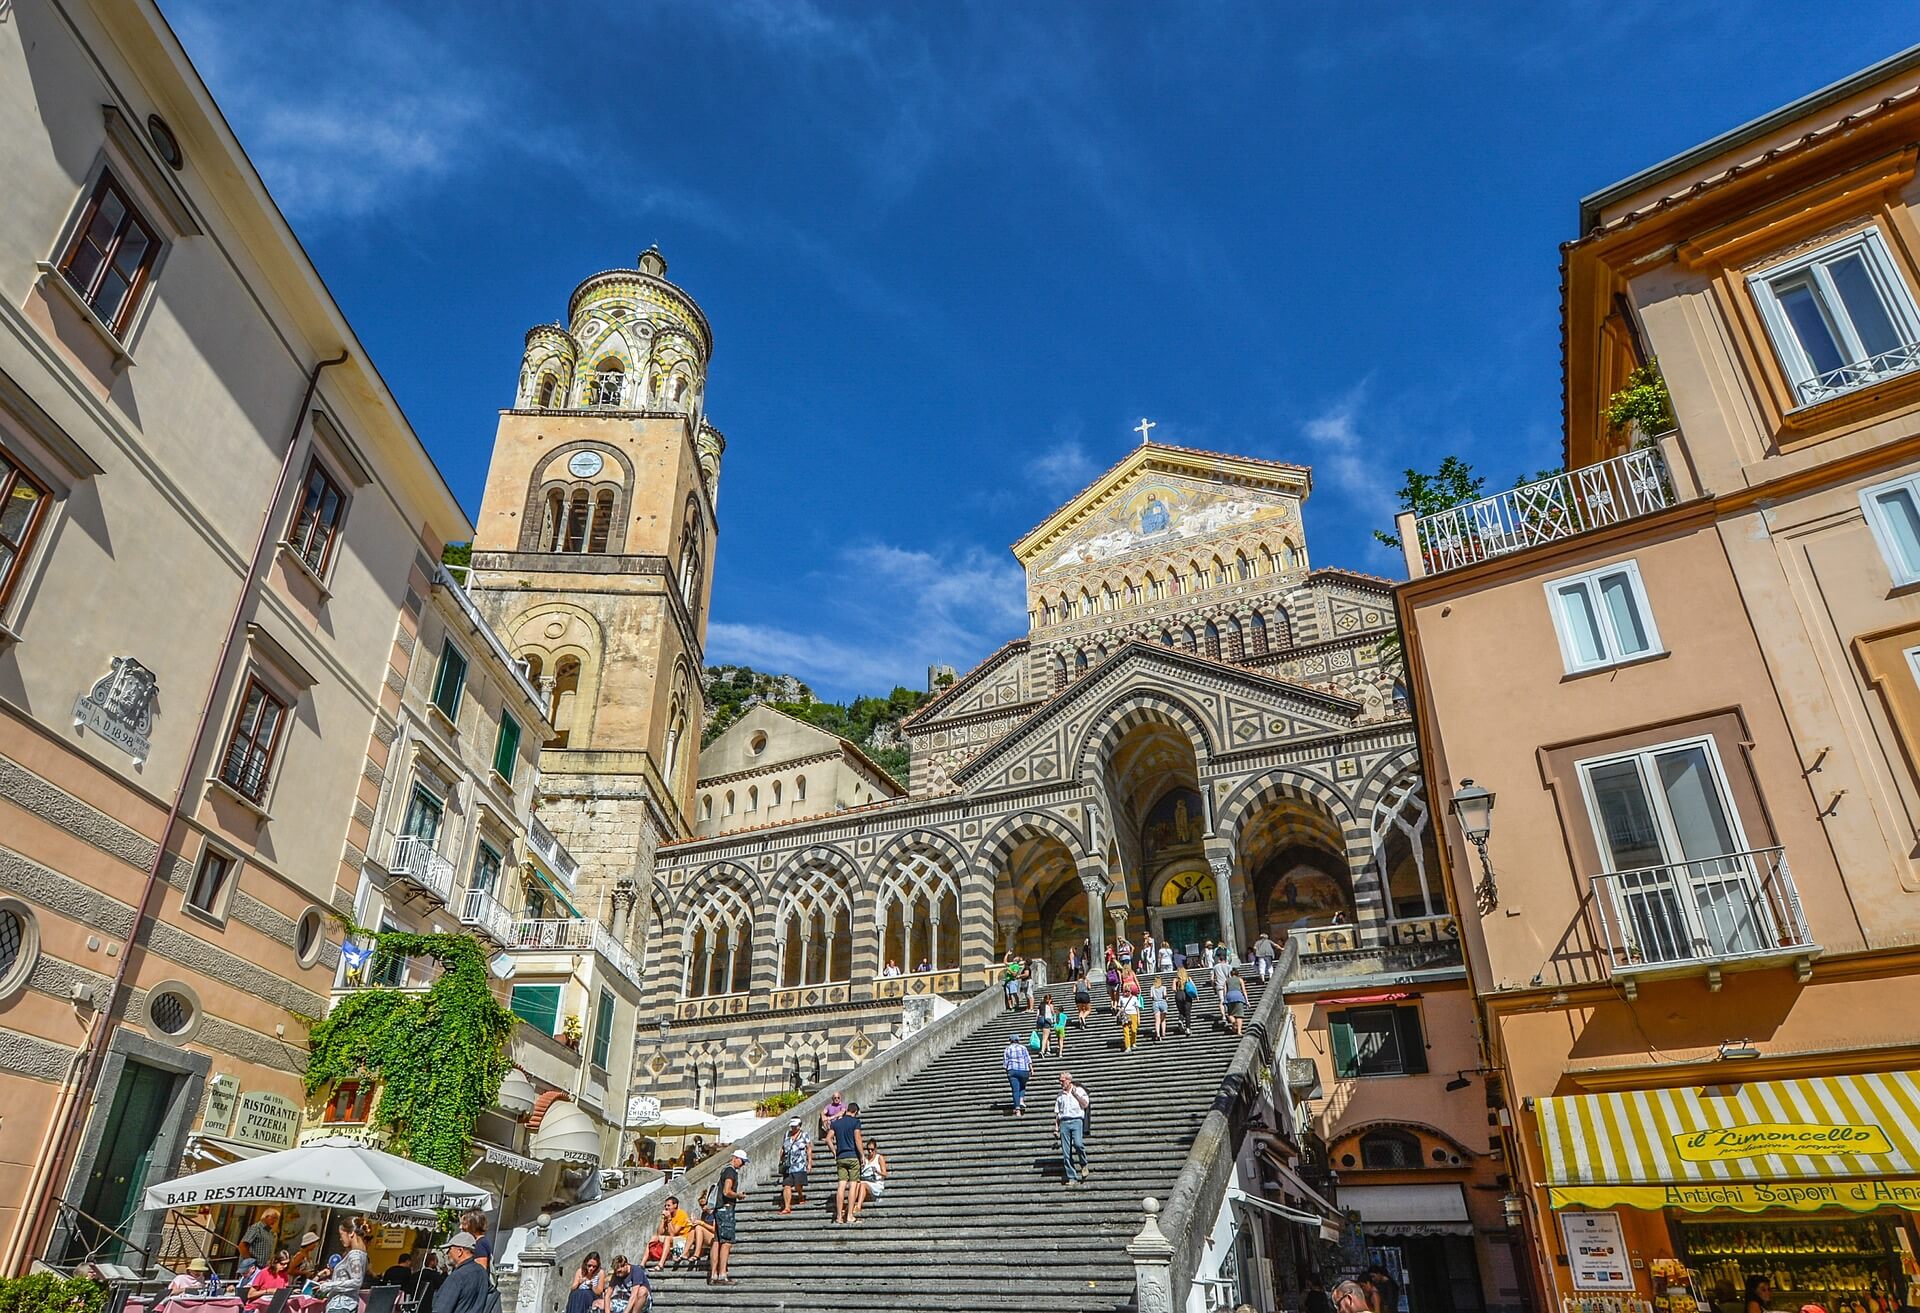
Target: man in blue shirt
[(849, 1147)]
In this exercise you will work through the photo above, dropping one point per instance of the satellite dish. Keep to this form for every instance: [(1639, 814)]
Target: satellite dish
[(501, 965)]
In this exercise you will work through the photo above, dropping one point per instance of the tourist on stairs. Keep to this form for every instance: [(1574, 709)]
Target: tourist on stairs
[(668, 1244), (1219, 970), (1060, 1031), (1236, 1002), (1070, 1128), (1048, 1015), (1148, 958), (1010, 980), (1082, 998), (1164, 963), (1184, 992), (796, 1164), (848, 1149), (1129, 1014), (873, 1177), (628, 1291), (725, 1219), (588, 1282), (836, 1105), (1264, 951), (1159, 996), (1019, 1064)]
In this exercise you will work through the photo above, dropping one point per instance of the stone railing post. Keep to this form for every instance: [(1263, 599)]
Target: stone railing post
[(1152, 1255), (538, 1290)]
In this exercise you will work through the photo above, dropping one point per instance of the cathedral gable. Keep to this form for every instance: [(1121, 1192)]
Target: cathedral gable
[(1157, 512)]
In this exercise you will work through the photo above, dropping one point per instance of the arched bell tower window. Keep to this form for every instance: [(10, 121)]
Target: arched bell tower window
[(607, 384), (554, 525), (566, 688), (575, 538), (544, 396), (602, 521)]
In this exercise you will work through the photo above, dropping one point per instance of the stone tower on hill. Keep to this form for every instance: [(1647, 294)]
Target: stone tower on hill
[(593, 560)]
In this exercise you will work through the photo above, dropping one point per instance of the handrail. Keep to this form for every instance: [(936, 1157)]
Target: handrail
[(1201, 1187), (1559, 506), (1709, 909)]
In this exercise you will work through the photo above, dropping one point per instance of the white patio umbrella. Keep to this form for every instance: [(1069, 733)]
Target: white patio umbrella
[(336, 1172), (681, 1121)]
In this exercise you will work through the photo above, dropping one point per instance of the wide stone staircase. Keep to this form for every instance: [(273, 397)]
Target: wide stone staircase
[(977, 1214)]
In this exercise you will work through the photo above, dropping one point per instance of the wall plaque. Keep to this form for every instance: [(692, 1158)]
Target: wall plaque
[(266, 1119), (223, 1094), (119, 707)]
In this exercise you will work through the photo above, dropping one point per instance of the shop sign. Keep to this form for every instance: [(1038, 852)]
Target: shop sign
[(223, 1092), (1596, 1251), (1761, 1139), (1749, 1197), (267, 1119), (371, 1136)]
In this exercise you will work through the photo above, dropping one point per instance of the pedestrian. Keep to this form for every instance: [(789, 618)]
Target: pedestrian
[(1206, 955), (1049, 1015), (1351, 1297), (628, 1290), (1018, 1060), (467, 1285), (836, 1104), (847, 1152), (1082, 1000), (1219, 971), (400, 1274), (668, 1243), (1388, 1288), (1060, 1031), (474, 1223), (1264, 951), (1184, 992), (1129, 1019), (796, 1164), (262, 1239), (1026, 982), (873, 1177), (1070, 1128), (724, 1219), (1159, 996), (700, 1239), (342, 1286), (1164, 963), (1113, 984), (1125, 952), (1148, 958), (1236, 995), (1010, 981), (430, 1281), (1316, 1300), (588, 1282)]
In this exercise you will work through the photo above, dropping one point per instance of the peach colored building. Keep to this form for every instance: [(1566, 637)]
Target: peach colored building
[(1686, 670), (217, 537)]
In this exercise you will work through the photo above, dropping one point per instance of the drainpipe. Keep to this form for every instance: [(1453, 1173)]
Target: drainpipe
[(32, 1233)]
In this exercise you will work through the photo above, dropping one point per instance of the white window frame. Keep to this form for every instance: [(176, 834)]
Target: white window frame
[(1882, 533), (1612, 656), (1912, 655), (1895, 295)]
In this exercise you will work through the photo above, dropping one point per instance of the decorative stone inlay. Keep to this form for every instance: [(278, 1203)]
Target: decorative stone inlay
[(37, 1059), (83, 821)]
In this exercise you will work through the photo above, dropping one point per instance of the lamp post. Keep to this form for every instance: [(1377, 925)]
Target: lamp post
[(1473, 808)]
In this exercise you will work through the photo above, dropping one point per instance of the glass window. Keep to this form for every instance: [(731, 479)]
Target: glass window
[(251, 746), (506, 748), (486, 868), (317, 520), (423, 815), (1377, 1041), (22, 506), (450, 681), (1840, 317), (111, 255), (1602, 617), (1893, 513), (603, 1029), (1389, 1151), (209, 880), (538, 1006)]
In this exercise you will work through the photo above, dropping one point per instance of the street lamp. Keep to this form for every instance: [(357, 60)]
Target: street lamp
[(1473, 808)]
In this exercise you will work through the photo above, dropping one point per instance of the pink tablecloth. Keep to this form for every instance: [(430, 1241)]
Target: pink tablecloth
[(189, 1304)]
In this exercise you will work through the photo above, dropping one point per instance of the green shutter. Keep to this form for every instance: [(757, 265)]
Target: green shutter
[(1413, 1047), (603, 1030), (448, 683), (506, 748), (538, 1006), (1342, 1033)]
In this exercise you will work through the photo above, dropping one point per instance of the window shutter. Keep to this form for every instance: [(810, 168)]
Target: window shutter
[(1413, 1047), (538, 1006), (1342, 1034), (507, 748)]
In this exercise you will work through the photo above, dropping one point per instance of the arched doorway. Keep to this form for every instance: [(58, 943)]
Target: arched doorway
[(1042, 898), (1153, 780), (1293, 855)]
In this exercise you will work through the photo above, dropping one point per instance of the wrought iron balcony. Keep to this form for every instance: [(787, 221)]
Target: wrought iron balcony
[(415, 859), (1668, 920), (572, 934), (551, 853), (1903, 359), (485, 913), (1609, 492)]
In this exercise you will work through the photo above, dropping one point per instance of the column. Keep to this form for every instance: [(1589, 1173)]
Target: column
[(1094, 880), (1223, 899), (1009, 933)]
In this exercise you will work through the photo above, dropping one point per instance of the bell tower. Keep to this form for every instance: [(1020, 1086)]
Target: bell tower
[(592, 559)]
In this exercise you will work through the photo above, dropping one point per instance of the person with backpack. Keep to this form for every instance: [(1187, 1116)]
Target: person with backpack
[(1018, 1060), (1044, 1017), (1129, 1017), (1184, 992)]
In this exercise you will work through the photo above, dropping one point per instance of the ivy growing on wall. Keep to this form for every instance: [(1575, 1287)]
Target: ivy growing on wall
[(440, 1054)]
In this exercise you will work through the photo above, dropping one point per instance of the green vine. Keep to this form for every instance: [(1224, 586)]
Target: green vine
[(1643, 401), (440, 1055)]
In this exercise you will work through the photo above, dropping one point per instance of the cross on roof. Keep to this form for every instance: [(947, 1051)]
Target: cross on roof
[(1144, 426)]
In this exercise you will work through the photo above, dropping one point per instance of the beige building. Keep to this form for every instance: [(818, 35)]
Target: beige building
[(194, 446), (768, 767), (1686, 669)]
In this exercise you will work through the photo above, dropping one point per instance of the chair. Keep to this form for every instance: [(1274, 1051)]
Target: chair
[(381, 1299), (278, 1304)]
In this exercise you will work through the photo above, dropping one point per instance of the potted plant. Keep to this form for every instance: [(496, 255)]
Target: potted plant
[(570, 1031)]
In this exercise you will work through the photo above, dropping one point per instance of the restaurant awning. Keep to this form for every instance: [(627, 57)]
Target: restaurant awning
[(1299, 1217), (1351, 1000), (560, 894), (1821, 1142), (1436, 1208)]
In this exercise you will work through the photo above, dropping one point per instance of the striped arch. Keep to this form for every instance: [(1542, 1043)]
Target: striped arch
[(1010, 833), (1141, 707), (821, 922), (673, 904), (931, 840), (1383, 777), (1285, 782), (815, 857)]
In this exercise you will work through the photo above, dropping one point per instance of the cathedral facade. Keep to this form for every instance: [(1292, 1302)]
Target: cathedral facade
[(1200, 735)]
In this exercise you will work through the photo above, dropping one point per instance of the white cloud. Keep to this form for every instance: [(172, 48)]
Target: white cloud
[(1357, 467), (886, 614), (1062, 468)]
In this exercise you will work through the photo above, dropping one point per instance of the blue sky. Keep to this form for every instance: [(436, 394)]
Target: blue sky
[(953, 252)]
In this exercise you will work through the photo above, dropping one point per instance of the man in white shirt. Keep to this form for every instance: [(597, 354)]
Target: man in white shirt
[(1070, 1125), (1220, 971), (1264, 951)]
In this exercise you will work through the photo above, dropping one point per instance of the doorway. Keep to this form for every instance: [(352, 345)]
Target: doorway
[(1189, 931), (111, 1191)]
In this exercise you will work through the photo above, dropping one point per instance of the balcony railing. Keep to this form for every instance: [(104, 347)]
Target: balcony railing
[(551, 853), (1559, 507), (414, 858), (483, 912), (1903, 359), (1733, 908), (572, 934)]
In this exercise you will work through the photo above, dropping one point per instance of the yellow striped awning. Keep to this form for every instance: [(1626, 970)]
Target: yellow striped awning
[(1823, 1128)]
